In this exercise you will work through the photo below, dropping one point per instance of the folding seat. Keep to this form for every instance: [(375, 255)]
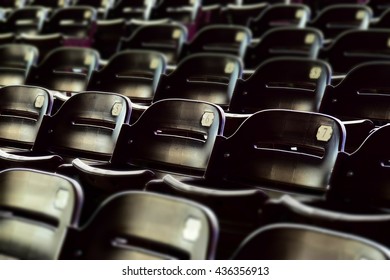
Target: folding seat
[(28, 20), (318, 5), (53, 4), (183, 11), (16, 60), (45, 43), (22, 109), (86, 126), (10, 5), (237, 211), (356, 46), (133, 24), (37, 210), (283, 83), (75, 22), (166, 38), (226, 39), (130, 9), (102, 7), (362, 94), (107, 36), (335, 19), (284, 41), (357, 220), (279, 15), (173, 136), (299, 242), (65, 69), (362, 177), (240, 14), (140, 225), (207, 77), (133, 73), (278, 151)]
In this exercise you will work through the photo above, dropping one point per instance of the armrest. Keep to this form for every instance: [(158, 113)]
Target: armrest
[(112, 180), (46, 162)]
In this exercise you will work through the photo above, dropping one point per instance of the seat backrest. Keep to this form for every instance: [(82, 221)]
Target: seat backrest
[(16, 61), (279, 15), (65, 69), (184, 11), (26, 20), (281, 150), (284, 41), (318, 5), (354, 47), (36, 209), (300, 242), (22, 109), (87, 126), (206, 77), (107, 36), (283, 83), (363, 176), (240, 14), (225, 39), (335, 19), (141, 225), (74, 21), (369, 224), (237, 210), (130, 9), (51, 3), (133, 73), (166, 38), (175, 136), (44, 43), (361, 95)]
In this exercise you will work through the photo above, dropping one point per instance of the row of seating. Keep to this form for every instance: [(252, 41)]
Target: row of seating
[(274, 152)]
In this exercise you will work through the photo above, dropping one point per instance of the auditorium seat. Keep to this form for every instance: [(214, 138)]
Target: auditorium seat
[(335, 19), (133, 73), (130, 9), (238, 14), (166, 38), (146, 226), (86, 126), (16, 61), (37, 210), (174, 136), (226, 39), (22, 109), (287, 241), (282, 83), (279, 15), (205, 76), (238, 211), (284, 41)]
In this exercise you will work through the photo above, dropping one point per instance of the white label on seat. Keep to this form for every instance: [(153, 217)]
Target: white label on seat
[(229, 68), (19, 3), (40, 14), (388, 42), (62, 197), (192, 229), (39, 101), (116, 109), (87, 14), (309, 39), (324, 133), (207, 119), (154, 63), (299, 13), (88, 60), (104, 3), (315, 73), (176, 34), (61, 2), (240, 36), (360, 14), (192, 2)]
